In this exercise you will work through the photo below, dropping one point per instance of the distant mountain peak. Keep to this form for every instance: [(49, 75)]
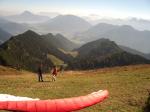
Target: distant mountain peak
[(70, 17), (49, 35), (30, 32), (58, 35), (66, 24), (26, 13), (105, 24), (127, 27), (27, 17)]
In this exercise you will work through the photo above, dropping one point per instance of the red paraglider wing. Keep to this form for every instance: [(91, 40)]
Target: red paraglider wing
[(57, 105)]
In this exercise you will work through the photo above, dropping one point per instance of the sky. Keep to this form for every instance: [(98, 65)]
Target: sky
[(92, 8)]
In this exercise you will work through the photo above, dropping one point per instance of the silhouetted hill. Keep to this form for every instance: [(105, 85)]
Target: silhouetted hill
[(4, 36), (99, 47), (102, 53), (28, 50)]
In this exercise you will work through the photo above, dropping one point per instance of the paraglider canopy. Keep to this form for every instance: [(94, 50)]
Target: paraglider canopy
[(56, 105)]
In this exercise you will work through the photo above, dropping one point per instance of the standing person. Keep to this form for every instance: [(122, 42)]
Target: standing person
[(54, 73), (40, 77)]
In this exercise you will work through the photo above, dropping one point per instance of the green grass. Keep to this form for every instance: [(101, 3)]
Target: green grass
[(127, 86)]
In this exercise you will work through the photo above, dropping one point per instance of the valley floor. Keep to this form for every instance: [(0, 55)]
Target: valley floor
[(127, 86)]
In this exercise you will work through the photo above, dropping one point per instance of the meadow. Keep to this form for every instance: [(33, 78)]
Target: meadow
[(127, 86)]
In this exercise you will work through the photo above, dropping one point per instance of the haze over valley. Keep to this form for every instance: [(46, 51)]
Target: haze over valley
[(133, 33)]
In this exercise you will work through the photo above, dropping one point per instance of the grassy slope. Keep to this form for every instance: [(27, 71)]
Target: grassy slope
[(127, 86), (55, 60)]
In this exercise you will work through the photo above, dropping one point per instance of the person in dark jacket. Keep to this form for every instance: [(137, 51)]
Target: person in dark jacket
[(40, 77)]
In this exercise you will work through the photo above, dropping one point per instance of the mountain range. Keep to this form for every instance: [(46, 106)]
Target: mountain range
[(65, 24), (28, 50), (139, 24), (12, 27), (79, 30), (4, 36), (27, 17), (123, 35)]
